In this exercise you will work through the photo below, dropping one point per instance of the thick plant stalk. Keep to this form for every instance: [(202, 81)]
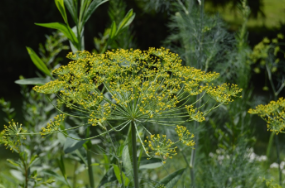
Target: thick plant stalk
[(134, 154), (26, 177), (276, 93), (278, 160), (90, 170), (74, 174)]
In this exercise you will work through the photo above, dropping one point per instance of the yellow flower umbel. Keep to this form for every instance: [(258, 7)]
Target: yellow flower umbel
[(224, 93), (137, 88), (160, 146), (273, 113), (194, 114), (185, 136), (12, 136), (53, 125), (131, 85)]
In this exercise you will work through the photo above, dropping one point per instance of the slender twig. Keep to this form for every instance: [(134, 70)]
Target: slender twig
[(134, 154), (141, 140), (270, 80)]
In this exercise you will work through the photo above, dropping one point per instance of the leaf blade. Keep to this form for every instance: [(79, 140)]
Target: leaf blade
[(150, 163), (127, 20), (65, 29), (71, 145), (60, 6), (170, 180), (113, 30), (37, 61), (108, 177), (32, 81), (127, 162), (72, 10), (91, 9), (117, 173)]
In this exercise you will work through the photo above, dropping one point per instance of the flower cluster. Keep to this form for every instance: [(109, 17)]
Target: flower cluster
[(53, 125), (185, 136), (12, 135), (99, 116), (263, 51), (224, 93), (160, 146), (132, 85), (273, 113), (271, 184), (194, 114)]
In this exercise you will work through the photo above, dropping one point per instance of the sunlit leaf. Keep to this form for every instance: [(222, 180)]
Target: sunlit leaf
[(60, 6), (113, 30), (117, 173)]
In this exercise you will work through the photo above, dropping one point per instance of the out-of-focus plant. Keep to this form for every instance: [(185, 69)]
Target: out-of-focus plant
[(7, 109), (266, 55), (273, 113), (237, 122), (125, 38), (197, 38), (13, 137), (230, 169), (36, 110), (270, 184), (204, 42), (269, 59), (75, 35)]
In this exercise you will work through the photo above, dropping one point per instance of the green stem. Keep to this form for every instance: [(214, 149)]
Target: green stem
[(192, 160), (26, 176), (277, 143), (90, 170), (278, 160), (280, 89), (74, 174), (193, 153), (269, 146), (134, 154)]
